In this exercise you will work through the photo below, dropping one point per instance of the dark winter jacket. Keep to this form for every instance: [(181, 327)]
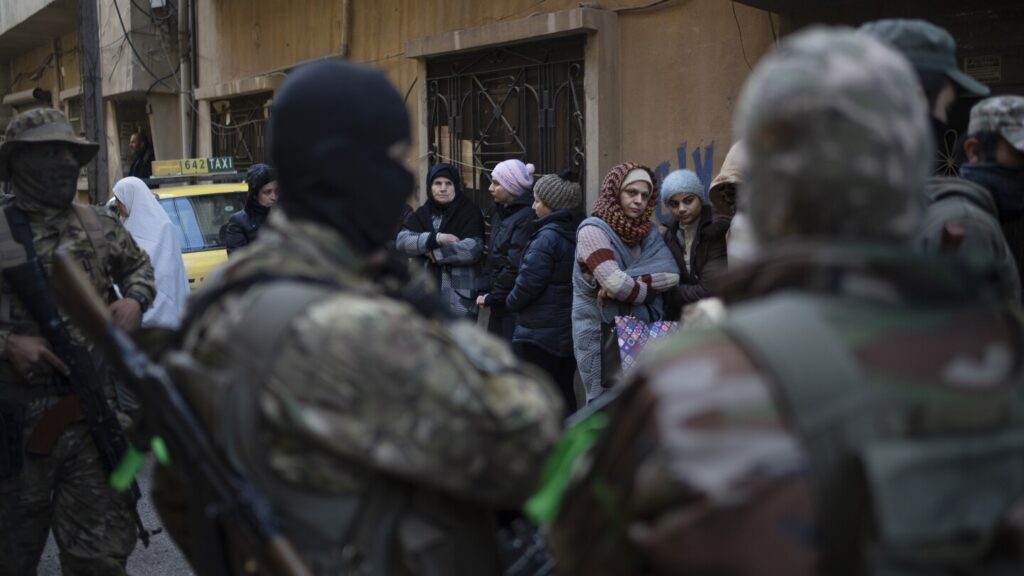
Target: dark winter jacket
[(242, 228), (708, 261), (542, 295), (142, 164), (955, 204), (511, 226)]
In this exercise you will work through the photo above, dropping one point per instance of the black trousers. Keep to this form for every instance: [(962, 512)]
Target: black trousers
[(561, 369)]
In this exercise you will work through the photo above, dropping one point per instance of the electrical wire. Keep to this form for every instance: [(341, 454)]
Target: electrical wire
[(771, 22), (739, 30), (127, 37), (648, 6)]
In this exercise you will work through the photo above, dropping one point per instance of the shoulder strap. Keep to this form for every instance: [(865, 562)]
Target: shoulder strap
[(93, 230), (16, 246), (823, 395)]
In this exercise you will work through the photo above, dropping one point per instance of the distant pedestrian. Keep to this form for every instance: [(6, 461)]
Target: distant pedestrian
[(447, 234), (512, 190), (697, 244), (143, 156), (542, 296), (244, 225), (622, 267), (153, 231)]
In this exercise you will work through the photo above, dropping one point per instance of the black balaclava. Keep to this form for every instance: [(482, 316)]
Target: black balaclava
[(258, 176), (43, 183), (337, 136)]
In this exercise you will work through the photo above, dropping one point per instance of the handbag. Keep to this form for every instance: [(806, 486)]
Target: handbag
[(633, 334)]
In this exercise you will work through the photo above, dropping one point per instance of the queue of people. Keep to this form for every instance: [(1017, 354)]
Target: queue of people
[(855, 412)]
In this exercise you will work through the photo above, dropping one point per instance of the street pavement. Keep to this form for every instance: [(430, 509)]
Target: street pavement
[(162, 558)]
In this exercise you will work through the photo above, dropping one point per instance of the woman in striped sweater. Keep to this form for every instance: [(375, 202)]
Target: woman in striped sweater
[(622, 266)]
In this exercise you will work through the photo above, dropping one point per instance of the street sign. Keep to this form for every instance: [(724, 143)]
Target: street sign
[(193, 166)]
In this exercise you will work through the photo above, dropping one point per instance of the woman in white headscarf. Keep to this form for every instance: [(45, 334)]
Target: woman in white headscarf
[(152, 230)]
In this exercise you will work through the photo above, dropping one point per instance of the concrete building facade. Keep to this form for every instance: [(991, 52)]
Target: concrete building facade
[(555, 82)]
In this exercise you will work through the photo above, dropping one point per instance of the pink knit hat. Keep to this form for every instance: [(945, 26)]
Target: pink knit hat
[(514, 176)]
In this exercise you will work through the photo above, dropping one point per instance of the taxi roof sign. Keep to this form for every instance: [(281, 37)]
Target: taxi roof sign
[(193, 166)]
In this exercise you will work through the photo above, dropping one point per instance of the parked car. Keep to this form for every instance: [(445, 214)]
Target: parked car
[(199, 211)]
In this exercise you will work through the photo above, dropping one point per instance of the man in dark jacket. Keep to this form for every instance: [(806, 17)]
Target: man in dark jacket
[(512, 190), (142, 161), (995, 160), (542, 295), (697, 243)]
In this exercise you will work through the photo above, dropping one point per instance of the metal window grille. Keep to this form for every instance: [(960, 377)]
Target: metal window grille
[(524, 101), (238, 129)]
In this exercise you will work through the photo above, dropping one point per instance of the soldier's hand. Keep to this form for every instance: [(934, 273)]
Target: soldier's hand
[(31, 355), (126, 314), (602, 295), (481, 300)]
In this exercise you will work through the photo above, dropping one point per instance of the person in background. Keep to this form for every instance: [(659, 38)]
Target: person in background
[(152, 230), (995, 161), (511, 187), (961, 217), (143, 156), (697, 244), (244, 225), (931, 50), (622, 267), (447, 234), (541, 298)]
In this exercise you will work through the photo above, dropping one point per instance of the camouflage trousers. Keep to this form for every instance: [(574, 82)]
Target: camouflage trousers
[(69, 491)]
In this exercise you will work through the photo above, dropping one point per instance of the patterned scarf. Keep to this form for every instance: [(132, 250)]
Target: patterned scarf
[(608, 207)]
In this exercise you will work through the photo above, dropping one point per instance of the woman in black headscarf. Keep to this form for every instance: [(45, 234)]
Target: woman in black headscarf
[(447, 234), (243, 225)]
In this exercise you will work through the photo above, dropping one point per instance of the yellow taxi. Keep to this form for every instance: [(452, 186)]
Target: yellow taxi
[(199, 211)]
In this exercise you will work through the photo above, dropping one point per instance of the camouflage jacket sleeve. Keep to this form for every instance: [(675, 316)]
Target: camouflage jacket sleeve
[(129, 265), (694, 467), (373, 383)]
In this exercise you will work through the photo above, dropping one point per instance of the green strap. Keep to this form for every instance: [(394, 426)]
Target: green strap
[(543, 506)]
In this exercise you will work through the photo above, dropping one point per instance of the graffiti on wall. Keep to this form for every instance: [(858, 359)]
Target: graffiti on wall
[(703, 163)]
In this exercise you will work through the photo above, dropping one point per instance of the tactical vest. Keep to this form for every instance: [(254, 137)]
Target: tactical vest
[(903, 485), (393, 528), (13, 254)]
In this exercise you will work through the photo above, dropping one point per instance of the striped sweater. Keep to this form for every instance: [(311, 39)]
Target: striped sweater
[(596, 256)]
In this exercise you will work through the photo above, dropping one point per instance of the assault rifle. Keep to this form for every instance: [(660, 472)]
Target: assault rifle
[(221, 495), (28, 281)]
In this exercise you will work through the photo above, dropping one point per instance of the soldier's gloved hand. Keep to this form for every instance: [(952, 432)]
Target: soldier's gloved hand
[(126, 314), (31, 355)]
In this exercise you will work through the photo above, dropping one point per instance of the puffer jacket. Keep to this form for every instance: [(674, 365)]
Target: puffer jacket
[(708, 261), (542, 294), (511, 226)]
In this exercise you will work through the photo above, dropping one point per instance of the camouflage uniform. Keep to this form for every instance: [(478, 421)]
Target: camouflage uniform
[(365, 389), (960, 218), (710, 462), (1004, 116), (67, 488)]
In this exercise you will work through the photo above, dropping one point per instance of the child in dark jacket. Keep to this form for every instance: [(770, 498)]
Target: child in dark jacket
[(697, 243), (542, 294)]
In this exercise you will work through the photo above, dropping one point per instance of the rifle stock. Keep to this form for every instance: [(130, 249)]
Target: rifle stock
[(168, 414)]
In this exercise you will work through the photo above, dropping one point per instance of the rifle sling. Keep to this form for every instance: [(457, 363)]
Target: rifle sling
[(54, 422)]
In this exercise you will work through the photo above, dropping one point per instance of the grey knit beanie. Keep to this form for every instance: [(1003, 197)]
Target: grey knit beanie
[(558, 191), (682, 182)]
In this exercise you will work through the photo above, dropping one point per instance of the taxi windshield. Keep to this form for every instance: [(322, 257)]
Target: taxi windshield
[(200, 218)]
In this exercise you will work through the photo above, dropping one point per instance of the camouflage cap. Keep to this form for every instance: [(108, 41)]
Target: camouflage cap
[(837, 139), (927, 46), (1002, 114), (42, 125)]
